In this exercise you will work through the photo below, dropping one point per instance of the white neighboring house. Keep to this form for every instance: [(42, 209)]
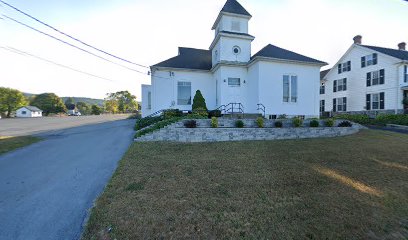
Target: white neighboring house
[(366, 80), (283, 81), (29, 112)]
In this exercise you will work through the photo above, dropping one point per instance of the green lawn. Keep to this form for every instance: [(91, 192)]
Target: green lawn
[(8, 144), (353, 187)]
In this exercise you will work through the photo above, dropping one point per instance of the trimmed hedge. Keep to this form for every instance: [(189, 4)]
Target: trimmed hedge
[(384, 119), (297, 122), (360, 118), (260, 122), (157, 126), (314, 123), (214, 122), (381, 119), (145, 122)]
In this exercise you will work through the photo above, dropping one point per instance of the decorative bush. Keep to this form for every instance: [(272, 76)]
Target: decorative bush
[(297, 122), (145, 122), (190, 124), (359, 118), (214, 113), (314, 123), (278, 124), (283, 116), (171, 113), (239, 124), (260, 122), (329, 122), (199, 102), (384, 119), (405, 101), (345, 124), (214, 122), (195, 116), (201, 112)]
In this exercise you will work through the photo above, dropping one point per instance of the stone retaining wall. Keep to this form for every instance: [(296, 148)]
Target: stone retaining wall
[(177, 133), (248, 123)]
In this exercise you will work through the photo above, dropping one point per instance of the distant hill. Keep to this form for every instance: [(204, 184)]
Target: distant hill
[(90, 101)]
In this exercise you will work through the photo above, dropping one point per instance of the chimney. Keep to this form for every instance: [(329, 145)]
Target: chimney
[(402, 46), (358, 39)]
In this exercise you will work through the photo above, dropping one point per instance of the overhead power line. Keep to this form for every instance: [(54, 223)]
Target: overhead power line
[(26, 54), (69, 44), (70, 36)]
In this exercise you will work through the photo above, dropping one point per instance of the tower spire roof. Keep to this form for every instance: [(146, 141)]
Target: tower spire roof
[(233, 6)]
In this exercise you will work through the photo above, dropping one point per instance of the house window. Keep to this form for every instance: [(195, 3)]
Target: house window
[(149, 100), (375, 101), (405, 73), (24, 112), (376, 78), (340, 104), (236, 26), (290, 89), (322, 88), (322, 105), (234, 82), (340, 85), (184, 93), (344, 67), (369, 60)]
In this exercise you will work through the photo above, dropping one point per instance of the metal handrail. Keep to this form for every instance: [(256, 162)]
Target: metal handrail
[(160, 112), (262, 108), (233, 107)]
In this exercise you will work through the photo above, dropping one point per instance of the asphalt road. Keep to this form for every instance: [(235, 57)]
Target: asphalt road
[(30, 126), (47, 189)]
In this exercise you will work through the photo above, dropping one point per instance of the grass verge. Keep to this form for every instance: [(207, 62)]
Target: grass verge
[(353, 187), (8, 144)]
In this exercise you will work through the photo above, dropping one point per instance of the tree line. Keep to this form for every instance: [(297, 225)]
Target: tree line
[(50, 103)]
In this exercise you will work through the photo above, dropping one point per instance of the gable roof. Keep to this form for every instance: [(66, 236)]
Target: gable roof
[(232, 6), (33, 109), (189, 58), (400, 54), (271, 51), (324, 73)]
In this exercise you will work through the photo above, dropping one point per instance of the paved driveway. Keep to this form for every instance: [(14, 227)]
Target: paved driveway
[(30, 126), (46, 189)]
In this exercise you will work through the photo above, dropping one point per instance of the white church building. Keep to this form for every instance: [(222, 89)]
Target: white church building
[(227, 74)]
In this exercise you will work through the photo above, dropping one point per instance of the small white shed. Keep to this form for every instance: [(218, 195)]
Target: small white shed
[(29, 112)]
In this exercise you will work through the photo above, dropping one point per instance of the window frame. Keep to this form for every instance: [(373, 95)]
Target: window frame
[(405, 73), (337, 107), (149, 100), (340, 85), (293, 88), (234, 85), (376, 78), (369, 60), (322, 106), (344, 67), (180, 101), (322, 88)]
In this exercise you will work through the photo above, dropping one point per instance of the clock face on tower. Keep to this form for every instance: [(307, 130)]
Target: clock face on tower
[(236, 50)]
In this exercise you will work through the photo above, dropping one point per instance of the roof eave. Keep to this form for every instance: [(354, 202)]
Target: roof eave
[(160, 68), (269, 59), (222, 34)]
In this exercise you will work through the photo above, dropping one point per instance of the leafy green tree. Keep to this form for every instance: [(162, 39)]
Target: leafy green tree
[(126, 102), (49, 103), (111, 106), (70, 103), (96, 110), (11, 100), (84, 108), (199, 102)]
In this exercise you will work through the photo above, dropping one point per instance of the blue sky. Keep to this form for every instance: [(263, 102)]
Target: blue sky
[(148, 32)]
